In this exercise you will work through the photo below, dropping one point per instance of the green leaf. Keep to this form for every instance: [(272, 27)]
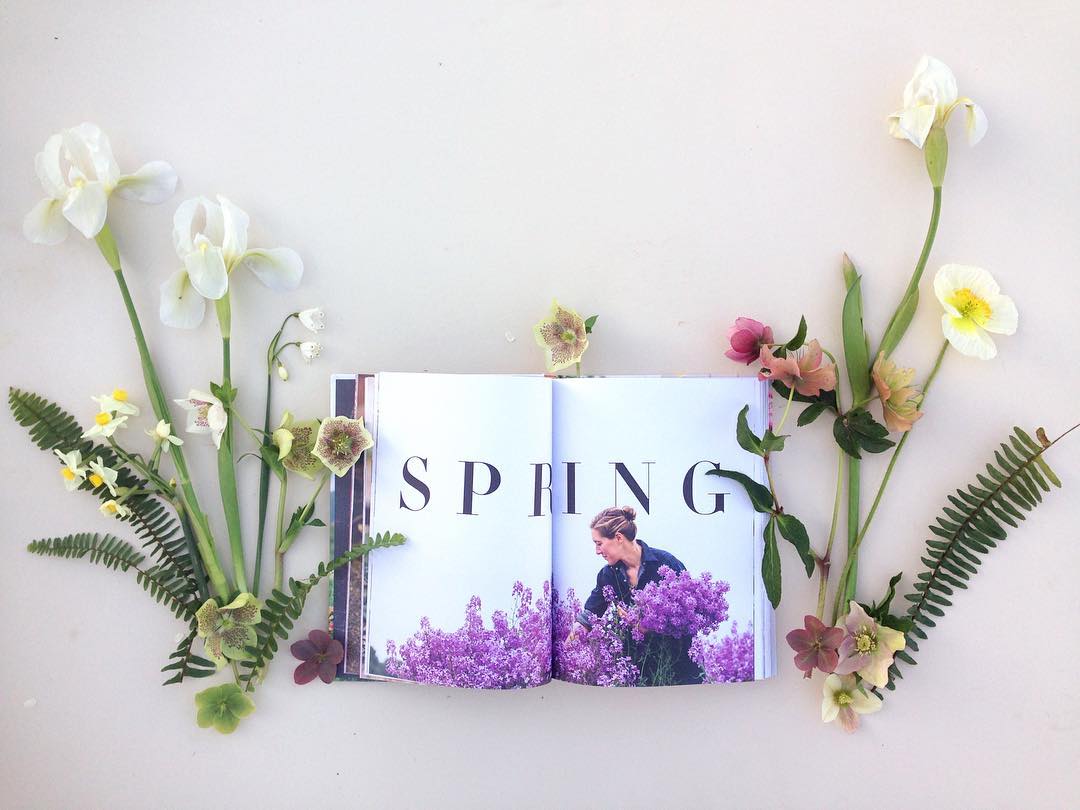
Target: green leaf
[(881, 609), (590, 322), (826, 397), (771, 443), (857, 430), (795, 533), (800, 336), (746, 438), (855, 351), (759, 495), (811, 413), (770, 565), (901, 319)]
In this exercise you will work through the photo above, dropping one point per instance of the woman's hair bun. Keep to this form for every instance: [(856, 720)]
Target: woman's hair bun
[(629, 512)]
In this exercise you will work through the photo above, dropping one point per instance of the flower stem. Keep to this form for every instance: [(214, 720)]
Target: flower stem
[(279, 555), (824, 564), (787, 407), (200, 525), (230, 501), (853, 553)]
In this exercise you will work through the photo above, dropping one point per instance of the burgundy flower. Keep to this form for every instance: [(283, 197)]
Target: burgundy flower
[(816, 646), (320, 655), (747, 337)]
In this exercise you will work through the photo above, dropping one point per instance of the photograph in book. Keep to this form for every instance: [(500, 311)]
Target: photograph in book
[(559, 528)]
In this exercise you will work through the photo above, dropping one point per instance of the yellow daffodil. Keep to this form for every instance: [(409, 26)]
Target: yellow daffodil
[(116, 403), (162, 434), (73, 472), (563, 335), (973, 306), (100, 474), (105, 425), (114, 509)]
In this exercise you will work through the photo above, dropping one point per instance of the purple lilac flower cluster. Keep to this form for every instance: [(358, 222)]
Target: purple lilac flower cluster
[(598, 656), (727, 659), (514, 652), (680, 605)]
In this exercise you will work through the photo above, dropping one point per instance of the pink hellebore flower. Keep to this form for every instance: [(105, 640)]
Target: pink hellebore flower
[(816, 646), (747, 337), (868, 647), (843, 699), (804, 370)]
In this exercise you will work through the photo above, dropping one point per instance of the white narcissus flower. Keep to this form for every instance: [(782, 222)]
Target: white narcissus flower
[(205, 414), (211, 240), (162, 434), (309, 350), (77, 169), (114, 509), (73, 471), (930, 98), (973, 306), (116, 402), (842, 698), (100, 474), (105, 425), (313, 319)]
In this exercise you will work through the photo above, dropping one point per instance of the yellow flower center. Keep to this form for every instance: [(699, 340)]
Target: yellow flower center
[(971, 306), (843, 699), (864, 642), (68, 474), (568, 336), (119, 394), (96, 479), (103, 418)]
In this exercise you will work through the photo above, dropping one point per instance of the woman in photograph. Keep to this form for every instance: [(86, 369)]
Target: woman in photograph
[(631, 565)]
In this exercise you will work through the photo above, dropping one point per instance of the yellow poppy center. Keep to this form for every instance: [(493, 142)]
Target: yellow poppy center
[(864, 643), (119, 394), (103, 418), (971, 306), (68, 474), (843, 699), (96, 479)]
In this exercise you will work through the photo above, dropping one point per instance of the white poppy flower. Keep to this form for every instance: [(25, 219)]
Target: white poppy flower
[(313, 319), (116, 402), (973, 306), (211, 240), (205, 414), (73, 471), (309, 350), (113, 509), (162, 434), (79, 173), (930, 98), (105, 425), (100, 474)]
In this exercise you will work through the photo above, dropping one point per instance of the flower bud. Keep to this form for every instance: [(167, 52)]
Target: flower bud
[(282, 372)]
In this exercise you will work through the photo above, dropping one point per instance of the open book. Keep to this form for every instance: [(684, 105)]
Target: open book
[(557, 528)]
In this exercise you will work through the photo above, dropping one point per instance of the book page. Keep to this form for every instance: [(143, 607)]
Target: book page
[(698, 613), (462, 469)]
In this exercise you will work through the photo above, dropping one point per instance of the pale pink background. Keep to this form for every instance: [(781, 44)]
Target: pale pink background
[(444, 174)]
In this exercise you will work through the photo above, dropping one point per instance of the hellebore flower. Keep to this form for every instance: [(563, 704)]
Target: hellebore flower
[(804, 370), (299, 458), (816, 646), (973, 306), (844, 699), (320, 654), (222, 707), (313, 319), (929, 99), (747, 337), (211, 240), (73, 471), (282, 438), (162, 434), (900, 400), (340, 443), (205, 414), (77, 169), (868, 647), (116, 402), (228, 630), (562, 333)]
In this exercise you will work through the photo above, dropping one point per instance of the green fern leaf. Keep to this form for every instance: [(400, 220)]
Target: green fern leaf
[(185, 664)]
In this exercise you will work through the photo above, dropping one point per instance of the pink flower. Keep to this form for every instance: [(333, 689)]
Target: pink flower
[(804, 370), (816, 647), (747, 337), (320, 655), (868, 647)]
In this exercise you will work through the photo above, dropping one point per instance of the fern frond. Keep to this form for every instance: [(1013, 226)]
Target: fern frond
[(50, 426), (161, 582), (185, 663), (281, 609), (974, 521)]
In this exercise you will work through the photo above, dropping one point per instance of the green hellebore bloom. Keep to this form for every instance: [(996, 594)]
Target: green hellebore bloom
[(222, 707), (229, 631), (299, 458)]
